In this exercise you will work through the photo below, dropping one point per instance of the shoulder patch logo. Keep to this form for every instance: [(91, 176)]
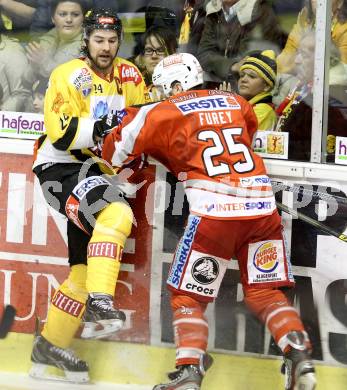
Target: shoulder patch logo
[(129, 73), (57, 103), (82, 81)]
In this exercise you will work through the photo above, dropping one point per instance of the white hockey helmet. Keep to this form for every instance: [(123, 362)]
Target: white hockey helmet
[(181, 67)]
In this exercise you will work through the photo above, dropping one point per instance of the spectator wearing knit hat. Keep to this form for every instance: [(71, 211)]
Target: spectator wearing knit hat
[(257, 79)]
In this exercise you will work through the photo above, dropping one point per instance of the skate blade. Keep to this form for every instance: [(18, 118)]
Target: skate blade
[(92, 330), (306, 382), (47, 372)]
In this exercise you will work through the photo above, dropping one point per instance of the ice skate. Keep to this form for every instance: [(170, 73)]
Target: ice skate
[(298, 366), (46, 356), (101, 319), (187, 377)]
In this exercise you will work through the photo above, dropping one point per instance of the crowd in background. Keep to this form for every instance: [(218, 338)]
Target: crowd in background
[(261, 49)]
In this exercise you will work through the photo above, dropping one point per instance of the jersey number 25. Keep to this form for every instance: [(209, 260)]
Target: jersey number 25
[(210, 155)]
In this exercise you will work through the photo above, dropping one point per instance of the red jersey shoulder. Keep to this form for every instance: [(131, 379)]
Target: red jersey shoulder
[(129, 74)]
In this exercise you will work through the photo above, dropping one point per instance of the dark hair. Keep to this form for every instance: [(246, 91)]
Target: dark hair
[(159, 16), (40, 86), (165, 36), (55, 3), (155, 16), (342, 13)]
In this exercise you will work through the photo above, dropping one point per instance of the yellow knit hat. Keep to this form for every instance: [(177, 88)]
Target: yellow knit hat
[(264, 63)]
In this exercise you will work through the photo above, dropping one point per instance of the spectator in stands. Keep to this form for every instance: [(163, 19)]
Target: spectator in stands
[(295, 112), (227, 35), (16, 15), (13, 64), (38, 95), (60, 44), (257, 79), (155, 16), (155, 44), (42, 21), (194, 22), (305, 20)]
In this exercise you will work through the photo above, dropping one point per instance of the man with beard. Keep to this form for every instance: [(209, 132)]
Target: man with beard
[(81, 103)]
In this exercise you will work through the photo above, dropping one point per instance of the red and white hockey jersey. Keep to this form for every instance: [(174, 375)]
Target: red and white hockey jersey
[(204, 138)]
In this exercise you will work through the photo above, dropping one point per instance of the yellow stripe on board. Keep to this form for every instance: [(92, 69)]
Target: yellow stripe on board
[(145, 365)]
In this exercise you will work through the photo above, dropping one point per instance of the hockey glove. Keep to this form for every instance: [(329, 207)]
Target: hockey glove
[(104, 126)]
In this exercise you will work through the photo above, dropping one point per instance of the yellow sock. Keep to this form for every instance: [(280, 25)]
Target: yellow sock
[(67, 308), (102, 271), (113, 226)]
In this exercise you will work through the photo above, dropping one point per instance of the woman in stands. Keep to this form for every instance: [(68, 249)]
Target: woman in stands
[(257, 79), (60, 44), (155, 44)]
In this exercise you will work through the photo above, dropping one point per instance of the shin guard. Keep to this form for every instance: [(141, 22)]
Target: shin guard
[(272, 307), (67, 308), (105, 248), (190, 329)]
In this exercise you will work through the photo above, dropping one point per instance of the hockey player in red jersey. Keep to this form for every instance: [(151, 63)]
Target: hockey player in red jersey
[(204, 138)]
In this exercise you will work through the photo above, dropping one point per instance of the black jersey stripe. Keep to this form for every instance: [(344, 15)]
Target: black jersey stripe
[(65, 141)]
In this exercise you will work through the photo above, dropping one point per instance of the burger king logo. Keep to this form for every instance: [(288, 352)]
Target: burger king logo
[(266, 257)]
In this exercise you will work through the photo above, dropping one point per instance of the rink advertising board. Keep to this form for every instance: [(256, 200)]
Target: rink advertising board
[(22, 125), (33, 251), (33, 263)]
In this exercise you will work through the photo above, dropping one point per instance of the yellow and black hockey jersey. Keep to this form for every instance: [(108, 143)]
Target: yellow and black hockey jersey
[(76, 97)]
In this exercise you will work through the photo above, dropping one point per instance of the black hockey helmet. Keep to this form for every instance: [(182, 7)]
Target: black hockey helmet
[(102, 19)]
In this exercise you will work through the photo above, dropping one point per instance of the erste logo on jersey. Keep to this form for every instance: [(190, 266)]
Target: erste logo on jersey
[(88, 184), (82, 81), (265, 257), (128, 74), (213, 103)]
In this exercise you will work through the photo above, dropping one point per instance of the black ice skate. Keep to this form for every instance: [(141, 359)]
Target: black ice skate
[(298, 366), (101, 318), (46, 355), (187, 377)]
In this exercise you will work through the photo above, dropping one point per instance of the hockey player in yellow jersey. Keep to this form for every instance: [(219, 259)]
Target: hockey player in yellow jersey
[(81, 103)]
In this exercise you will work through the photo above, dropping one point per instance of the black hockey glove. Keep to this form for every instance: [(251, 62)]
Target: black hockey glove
[(104, 126)]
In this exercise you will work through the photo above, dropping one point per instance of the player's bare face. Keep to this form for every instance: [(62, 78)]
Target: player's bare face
[(103, 47), (68, 18), (251, 84)]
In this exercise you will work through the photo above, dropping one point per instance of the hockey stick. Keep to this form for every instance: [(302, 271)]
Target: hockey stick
[(7, 320), (299, 189), (312, 222)]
